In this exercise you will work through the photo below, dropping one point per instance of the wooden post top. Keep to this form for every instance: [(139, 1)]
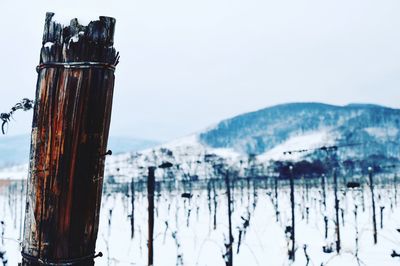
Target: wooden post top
[(79, 43)]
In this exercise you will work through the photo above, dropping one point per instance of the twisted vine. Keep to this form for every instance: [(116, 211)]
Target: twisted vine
[(25, 105)]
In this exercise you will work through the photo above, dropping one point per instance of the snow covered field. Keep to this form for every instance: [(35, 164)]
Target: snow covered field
[(193, 231)]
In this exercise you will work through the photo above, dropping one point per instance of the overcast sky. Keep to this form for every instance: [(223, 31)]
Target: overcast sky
[(185, 65)]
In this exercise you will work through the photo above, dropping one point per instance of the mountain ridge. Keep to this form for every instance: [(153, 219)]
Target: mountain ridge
[(257, 140), (256, 143), (259, 131)]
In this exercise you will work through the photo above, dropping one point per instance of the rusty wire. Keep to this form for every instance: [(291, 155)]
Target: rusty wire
[(64, 262), (77, 65), (25, 105)]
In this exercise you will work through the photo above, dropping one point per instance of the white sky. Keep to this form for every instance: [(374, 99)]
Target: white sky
[(187, 64)]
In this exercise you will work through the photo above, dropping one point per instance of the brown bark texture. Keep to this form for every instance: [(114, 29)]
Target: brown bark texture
[(69, 140)]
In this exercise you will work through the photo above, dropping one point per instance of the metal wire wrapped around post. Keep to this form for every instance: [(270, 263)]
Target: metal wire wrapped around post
[(70, 128), (76, 65)]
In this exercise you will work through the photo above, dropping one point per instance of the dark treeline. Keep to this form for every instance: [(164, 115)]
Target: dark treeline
[(316, 168)]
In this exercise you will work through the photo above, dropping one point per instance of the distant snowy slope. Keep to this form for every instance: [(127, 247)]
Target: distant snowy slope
[(311, 140), (369, 132), (14, 150), (377, 127)]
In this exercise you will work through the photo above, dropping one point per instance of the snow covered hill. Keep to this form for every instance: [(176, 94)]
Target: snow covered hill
[(368, 134), (252, 142), (258, 132)]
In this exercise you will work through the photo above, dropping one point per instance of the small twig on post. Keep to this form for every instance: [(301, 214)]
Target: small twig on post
[(25, 104)]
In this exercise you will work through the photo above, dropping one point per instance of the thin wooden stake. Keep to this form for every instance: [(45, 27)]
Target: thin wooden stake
[(292, 204), (337, 225), (150, 198), (132, 208), (371, 186), (323, 191), (276, 203), (229, 246)]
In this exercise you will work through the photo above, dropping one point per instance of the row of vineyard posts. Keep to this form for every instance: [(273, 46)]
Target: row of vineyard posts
[(229, 177), (232, 183)]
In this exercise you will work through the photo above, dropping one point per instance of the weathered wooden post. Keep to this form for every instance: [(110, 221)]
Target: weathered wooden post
[(326, 226), (69, 138), (276, 203), (292, 252), (371, 186), (337, 224), (132, 208), (356, 227), (215, 206), (382, 208), (229, 245), (323, 191), (150, 199)]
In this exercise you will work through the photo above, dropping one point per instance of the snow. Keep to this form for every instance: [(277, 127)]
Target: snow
[(310, 140), (76, 37), (265, 243), (226, 153), (382, 133), (17, 172), (48, 45), (186, 152), (190, 231)]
